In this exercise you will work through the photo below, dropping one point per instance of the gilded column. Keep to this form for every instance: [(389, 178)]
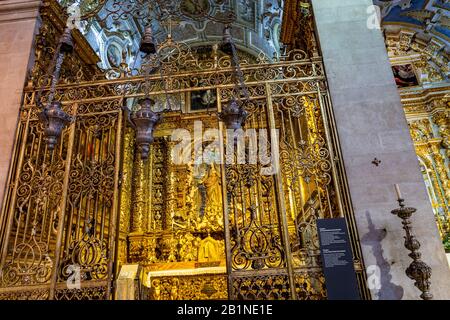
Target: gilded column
[(139, 201), (441, 151), (442, 120), (171, 196), (428, 147), (439, 161), (149, 186), (125, 197), (437, 197), (138, 244), (169, 239)]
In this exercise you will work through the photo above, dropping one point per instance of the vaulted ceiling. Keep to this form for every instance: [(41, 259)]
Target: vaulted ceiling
[(114, 28), (430, 17)]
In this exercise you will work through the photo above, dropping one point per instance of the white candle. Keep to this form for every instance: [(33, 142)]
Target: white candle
[(397, 189)]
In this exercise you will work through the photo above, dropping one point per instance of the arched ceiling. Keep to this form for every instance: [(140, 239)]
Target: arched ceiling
[(114, 27), (429, 17), (417, 34)]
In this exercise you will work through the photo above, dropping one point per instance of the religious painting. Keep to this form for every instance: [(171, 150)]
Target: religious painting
[(405, 76), (114, 55), (203, 100)]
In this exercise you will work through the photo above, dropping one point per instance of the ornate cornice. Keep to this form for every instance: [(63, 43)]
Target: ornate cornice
[(421, 103), (407, 93), (78, 66), (14, 10), (11, 6)]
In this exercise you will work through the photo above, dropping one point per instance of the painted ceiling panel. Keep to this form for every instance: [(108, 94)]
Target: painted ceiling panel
[(430, 15), (115, 27)]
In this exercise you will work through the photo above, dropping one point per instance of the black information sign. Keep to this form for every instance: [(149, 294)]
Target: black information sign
[(337, 260)]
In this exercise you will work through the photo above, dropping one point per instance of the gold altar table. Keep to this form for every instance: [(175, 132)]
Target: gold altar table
[(187, 284)]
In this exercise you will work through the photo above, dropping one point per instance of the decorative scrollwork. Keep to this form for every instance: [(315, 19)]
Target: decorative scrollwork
[(163, 10), (36, 213), (310, 285), (88, 293), (257, 287), (89, 254), (257, 246), (31, 265), (29, 294)]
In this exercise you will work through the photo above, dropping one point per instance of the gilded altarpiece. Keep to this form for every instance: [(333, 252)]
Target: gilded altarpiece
[(426, 107)]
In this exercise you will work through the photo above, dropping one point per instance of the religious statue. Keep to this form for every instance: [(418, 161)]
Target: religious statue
[(174, 289), (209, 193), (173, 250), (193, 197), (156, 289), (213, 191), (196, 198)]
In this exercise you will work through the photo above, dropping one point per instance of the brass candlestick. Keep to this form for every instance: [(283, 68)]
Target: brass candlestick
[(418, 270)]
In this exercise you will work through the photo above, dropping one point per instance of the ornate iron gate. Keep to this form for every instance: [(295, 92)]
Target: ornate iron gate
[(273, 248), (72, 208), (62, 206)]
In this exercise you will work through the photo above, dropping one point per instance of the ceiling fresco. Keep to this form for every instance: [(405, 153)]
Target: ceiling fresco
[(114, 28), (431, 16)]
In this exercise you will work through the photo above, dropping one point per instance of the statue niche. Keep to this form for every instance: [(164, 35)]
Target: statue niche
[(202, 195)]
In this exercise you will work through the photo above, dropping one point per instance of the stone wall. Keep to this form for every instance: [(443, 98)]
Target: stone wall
[(371, 124), (18, 23)]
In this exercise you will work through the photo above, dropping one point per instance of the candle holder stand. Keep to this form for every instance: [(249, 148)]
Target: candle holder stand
[(418, 270)]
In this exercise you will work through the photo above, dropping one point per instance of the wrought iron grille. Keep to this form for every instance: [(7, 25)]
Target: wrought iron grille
[(85, 202)]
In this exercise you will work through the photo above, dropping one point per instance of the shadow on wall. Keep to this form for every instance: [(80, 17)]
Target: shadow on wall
[(386, 290)]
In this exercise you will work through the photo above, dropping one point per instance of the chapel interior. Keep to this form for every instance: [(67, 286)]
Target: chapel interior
[(96, 186)]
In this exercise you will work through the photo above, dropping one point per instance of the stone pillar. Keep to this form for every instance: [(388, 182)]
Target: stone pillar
[(371, 124), (18, 22)]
